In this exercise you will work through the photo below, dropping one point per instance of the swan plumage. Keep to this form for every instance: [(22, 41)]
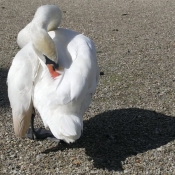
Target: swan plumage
[(61, 100)]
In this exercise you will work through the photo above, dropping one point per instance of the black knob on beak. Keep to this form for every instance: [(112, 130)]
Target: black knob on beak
[(48, 61)]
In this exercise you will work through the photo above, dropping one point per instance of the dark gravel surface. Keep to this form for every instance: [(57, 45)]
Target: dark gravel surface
[(130, 125)]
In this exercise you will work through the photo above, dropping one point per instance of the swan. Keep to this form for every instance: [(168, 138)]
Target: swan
[(55, 72)]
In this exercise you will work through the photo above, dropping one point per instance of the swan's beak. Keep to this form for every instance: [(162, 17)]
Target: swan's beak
[(54, 72), (52, 66)]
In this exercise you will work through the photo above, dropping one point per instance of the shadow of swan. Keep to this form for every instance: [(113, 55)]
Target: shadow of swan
[(112, 136)]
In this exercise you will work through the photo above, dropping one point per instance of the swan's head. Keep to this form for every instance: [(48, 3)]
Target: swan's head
[(46, 18), (42, 42)]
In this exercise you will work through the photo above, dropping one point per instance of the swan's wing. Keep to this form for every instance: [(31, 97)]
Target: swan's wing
[(70, 89), (82, 76), (75, 93), (20, 84)]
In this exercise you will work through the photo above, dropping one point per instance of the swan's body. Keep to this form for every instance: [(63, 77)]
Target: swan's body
[(61, 101)]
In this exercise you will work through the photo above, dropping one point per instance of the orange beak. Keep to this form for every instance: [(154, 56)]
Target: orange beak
[(52, 70)]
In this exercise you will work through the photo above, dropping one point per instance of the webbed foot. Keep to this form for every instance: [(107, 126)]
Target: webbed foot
[(39, 134)]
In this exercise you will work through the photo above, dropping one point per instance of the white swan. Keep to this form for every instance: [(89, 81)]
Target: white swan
[(61, 96)]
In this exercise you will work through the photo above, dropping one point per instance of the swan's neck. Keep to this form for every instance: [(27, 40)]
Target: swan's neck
[(46, 18)]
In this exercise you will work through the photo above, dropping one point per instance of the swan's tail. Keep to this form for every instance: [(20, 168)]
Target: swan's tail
[(47, 18)]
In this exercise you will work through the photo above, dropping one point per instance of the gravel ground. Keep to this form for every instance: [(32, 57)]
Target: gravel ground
[(130, 125)]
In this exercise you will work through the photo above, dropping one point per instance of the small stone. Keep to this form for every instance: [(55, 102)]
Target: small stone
[(76, 162)]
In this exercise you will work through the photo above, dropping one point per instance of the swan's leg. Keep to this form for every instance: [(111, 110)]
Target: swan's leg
[(41, 133), (33, 133)]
